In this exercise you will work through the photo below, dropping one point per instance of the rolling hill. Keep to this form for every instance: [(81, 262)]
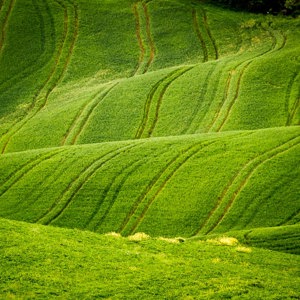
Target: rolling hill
[(167, 117)]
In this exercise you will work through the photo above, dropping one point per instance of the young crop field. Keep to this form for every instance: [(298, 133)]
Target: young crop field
[(128, 124)]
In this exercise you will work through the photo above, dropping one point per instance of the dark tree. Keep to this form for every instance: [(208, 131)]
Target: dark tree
[(290, 7)]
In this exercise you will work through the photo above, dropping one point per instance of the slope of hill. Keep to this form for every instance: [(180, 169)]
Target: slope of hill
[(164, 186), (42, 262), (169, 117), (115, 72)]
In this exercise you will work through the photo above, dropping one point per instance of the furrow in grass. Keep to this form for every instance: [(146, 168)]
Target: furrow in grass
[(148, 102), (238, 182), (292, 219), (199, 34), (71, 191), (42, 59), (144, 193), (21, 206), (55, 76), (237, 91), (139, 37), (149, 37), (295, 106), (213, 41), (225, 96), (110, 197), (143, 203), (226, 106), (203, 93), (253, 207), (83, 117), (161, 95), (25, 169), (69, 48), (42, 25), (5, 24)]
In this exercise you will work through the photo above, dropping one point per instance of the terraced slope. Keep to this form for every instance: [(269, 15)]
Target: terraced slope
[(168, 117)]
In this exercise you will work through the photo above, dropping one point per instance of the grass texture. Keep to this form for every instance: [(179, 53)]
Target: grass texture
[(148, 120), (78, 264)]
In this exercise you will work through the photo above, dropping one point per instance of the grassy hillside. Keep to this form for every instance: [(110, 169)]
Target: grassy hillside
[(43, 262), (168, 117), (165, 186), (115, 71)]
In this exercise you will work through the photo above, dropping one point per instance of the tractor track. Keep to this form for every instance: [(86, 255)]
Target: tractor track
[(241, 180), (143, 204), (5, 23), (74, 187), (207, 28), (196, 26), (149, 37), (23, 171), (292, 112), (225, 108), (41, 61), (117, 181), (139, 37), (165, 82), (55, 75), (84, 115)]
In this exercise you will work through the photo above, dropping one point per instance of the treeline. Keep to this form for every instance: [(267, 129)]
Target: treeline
[(286, 7)]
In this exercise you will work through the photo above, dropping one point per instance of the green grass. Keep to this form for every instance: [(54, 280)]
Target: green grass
[(44, 262), (168, 117), (186, 185), (252, 85)]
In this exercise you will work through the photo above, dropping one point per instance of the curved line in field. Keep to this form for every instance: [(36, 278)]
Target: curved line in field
[(145, 193), (242, 180), (288, 221), (42, 25), (148, 102), (174, 164), (165, 83), (83, 117), (199, 34), (34, 109), (5, 24), (40, 62), (256, 207), (21, 206), (58, 208), (292, 112), (241, 74), (213, 41), (161, 95), (139, 37), (123, 174), (25, 169), (201, 98), (225, 96), (167, 178), (149, 37)]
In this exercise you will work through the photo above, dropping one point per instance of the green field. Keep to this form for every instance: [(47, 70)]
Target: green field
[(171, 118)]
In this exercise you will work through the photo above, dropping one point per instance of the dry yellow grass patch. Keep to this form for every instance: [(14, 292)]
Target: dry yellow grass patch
[(226, 241), (171, 240), (243, 249), (139, 236), (113, 234)]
